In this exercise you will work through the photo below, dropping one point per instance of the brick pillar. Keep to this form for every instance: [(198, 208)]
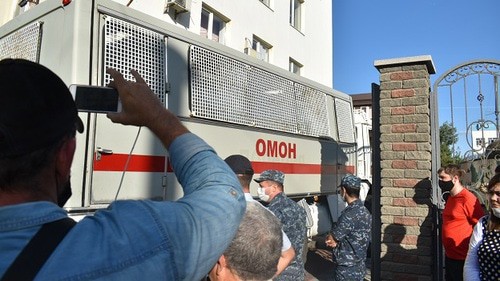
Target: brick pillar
[(405, 146)]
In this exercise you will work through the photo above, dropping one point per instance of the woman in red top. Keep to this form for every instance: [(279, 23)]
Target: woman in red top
[(462, 211)]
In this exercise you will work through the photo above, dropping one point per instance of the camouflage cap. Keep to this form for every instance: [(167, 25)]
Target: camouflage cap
[(271, 175), (351, 181)]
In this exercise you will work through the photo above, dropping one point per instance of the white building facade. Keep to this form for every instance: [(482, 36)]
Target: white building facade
[(363, 125), (292, 34), (481, 140)]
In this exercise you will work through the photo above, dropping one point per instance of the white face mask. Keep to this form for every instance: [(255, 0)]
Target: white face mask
[(496, 212), (343, 198), (262, 194), (342, 195)]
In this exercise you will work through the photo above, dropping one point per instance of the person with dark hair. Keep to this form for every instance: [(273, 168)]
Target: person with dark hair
[(242, 167), (130, 240), (483, 257), (248, 258), (291, 215), (350, 236), (461, 212), (497, 170)]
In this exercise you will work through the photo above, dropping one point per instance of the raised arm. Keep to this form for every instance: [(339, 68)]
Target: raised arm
[(198, 227), (140, 107)]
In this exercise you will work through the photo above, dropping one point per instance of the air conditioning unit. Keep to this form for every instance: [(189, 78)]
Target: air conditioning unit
[(251, 52), (179, 6)]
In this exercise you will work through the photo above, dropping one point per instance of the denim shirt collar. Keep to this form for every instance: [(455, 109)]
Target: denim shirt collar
[(26, 215)]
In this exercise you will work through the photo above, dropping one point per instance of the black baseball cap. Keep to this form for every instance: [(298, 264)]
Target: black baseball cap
[(239, 164), (36, 108)]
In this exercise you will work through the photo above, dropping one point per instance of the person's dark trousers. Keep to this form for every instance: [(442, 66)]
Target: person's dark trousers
[(454, 269)]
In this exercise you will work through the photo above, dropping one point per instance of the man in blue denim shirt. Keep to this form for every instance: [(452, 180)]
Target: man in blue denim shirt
[(131, 240)]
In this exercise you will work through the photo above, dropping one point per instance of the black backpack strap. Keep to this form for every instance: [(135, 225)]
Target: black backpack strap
[(35, 254)]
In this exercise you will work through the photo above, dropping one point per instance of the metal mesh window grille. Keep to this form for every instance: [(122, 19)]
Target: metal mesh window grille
[(273, 102), (228, 90), (23, 43), (345, 122), (311, 104), (128, 46)]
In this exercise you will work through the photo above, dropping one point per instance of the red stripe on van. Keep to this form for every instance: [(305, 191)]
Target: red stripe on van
[(148, 163), (294, 168), (287, 168), (138, 163)]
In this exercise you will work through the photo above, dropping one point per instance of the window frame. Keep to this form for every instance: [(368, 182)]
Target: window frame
[(479, 142), (262, 48), (294, 65), (212, 17), (296, 14)]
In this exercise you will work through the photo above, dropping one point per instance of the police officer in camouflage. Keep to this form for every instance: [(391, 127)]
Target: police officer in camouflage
[(291, 215), (350, 236)]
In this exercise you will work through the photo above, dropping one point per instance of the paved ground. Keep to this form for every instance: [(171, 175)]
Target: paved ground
[(319, 266)]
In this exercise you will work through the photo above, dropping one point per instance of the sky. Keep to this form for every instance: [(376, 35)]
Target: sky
[(451, 32)]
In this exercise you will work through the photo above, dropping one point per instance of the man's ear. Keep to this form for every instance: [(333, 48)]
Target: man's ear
[(276, 188), (219, 267), (222, 261), (64, 157)]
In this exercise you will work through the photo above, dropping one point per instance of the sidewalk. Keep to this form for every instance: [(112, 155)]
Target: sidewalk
[(319, 265)]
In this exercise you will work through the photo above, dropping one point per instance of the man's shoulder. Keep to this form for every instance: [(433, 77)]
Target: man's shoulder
[(465, 197), (287, 206), (469, 195), (289, 203), (356, 211), (281, 204), (355, 206)]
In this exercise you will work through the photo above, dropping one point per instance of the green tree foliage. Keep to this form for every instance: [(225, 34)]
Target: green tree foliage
[(448, 137)]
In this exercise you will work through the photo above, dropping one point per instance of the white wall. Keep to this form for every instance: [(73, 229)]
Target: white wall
[(311, 47), (8, 9), (363, 124), (489, 134)]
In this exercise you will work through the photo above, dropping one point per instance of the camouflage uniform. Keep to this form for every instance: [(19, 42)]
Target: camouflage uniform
[(353, 233), (293, 218)]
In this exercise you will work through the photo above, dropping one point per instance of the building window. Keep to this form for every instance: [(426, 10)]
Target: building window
[(261, 48), (294, 66), (479, 142), (213, 25), (296, 13)]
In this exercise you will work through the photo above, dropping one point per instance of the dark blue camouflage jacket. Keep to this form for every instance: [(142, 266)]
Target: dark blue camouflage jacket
[(352, 230), (293, 218)]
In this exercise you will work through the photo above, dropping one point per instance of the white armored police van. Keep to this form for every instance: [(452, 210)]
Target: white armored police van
[(237, 103)]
